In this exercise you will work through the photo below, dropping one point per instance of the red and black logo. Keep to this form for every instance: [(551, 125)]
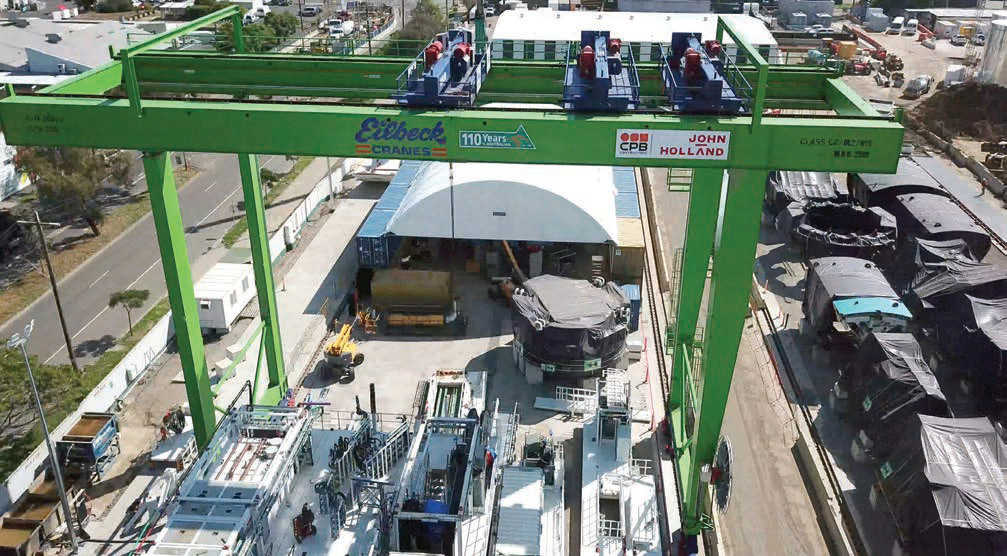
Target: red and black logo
[(634, 143)]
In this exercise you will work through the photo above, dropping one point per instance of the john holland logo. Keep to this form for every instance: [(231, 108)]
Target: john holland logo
[(393, 138)]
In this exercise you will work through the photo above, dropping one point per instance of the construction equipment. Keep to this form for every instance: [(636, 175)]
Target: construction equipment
[(996, 157), (696, 77), (91, 446), (304, 524), (601, 75), (173, 422), (448, 72), (893, 62), (342, 354)]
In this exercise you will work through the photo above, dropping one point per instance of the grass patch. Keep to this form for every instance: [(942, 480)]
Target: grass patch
[(73, 388), (65, 260), (241, 226)]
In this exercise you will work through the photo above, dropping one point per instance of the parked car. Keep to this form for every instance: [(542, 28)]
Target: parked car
[(918, 86), (490, 11), (979, 39), (959, 40), (310, 11)]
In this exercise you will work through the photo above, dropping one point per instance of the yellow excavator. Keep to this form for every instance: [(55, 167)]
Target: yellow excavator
[(342, 354)]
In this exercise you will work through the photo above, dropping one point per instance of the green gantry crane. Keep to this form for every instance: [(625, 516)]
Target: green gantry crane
[(115, 106)]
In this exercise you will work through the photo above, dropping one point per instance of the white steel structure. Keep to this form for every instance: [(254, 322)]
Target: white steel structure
[(530, 514), (618, 500)]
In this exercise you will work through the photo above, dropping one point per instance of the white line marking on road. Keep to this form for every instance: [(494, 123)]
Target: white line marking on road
[(82, 328), (211, 186), (98, 279), (200, 223), (54, 354), (133, 283)]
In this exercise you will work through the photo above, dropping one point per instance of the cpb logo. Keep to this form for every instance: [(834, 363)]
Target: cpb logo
[(631, 143)]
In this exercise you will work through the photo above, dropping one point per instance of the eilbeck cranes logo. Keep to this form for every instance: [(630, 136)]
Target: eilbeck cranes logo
[(675, 144)]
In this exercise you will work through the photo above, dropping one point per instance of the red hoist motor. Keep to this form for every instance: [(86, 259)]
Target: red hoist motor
[(713, 48), (460, 59), (432, 53), (614, 46), (692, 71), (585, 62)]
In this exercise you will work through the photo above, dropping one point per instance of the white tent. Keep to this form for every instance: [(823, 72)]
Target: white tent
[(509, 201)]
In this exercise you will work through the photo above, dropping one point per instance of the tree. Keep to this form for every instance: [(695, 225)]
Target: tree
[(284, 24), (426, 21), (86, 5), (258, 37), (121, 167), (203, 7), (66, 177), (17, 408), (128, 300)]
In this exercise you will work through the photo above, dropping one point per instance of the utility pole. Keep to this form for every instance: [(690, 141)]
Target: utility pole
[(19, 341), (52, 280), (332, 191), (402, 16)]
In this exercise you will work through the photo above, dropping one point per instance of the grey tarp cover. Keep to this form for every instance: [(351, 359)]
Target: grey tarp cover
[(843, 228), (569, 303), (832, 278), (991, 318), (788, 218), (877, 189), (952, 474), (899, 356), (958, 275), (937, 217), (786, 186), (930, 252)]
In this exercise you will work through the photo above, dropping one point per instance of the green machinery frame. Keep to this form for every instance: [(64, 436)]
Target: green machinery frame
[(338, 106)]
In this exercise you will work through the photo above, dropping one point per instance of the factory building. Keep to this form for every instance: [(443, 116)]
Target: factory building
[(521, 34), (579, 221)]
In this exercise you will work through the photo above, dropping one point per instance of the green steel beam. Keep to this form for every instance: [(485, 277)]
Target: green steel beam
[(94, 82), (260, 127), (180, 31), (845, 101), (704, 198), (258, 236), (181, 296), (730, 287)]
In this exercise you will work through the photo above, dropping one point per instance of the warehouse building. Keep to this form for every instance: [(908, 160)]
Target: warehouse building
[(521, 34), (578, 221)]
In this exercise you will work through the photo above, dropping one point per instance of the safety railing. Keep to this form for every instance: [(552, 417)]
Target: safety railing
[(395, 447)]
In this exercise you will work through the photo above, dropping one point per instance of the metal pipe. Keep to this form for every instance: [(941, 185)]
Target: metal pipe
[(21, 341)]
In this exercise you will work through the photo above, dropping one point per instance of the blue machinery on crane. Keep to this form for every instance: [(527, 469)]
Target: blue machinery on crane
[(696, 77), (448, 72), (600, 75)]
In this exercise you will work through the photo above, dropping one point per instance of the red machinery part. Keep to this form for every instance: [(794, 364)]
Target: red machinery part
[(432, 53), (692, 64), (713, 48), (614, 46), (462, 50), (585, 62)]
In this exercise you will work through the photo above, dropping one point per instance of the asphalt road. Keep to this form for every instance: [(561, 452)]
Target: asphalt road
[(133, 261)]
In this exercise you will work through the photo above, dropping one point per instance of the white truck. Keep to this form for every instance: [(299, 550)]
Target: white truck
[(338, 27), (910, 27), (895, 27), (255, 15)]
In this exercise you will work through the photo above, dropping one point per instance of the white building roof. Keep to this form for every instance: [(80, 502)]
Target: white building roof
[(545, 24), (220, 280), (960, 13), (85, 43), (510, 201)]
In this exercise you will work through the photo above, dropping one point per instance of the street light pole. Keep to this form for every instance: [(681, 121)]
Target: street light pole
[(52, 280), (21, 341)]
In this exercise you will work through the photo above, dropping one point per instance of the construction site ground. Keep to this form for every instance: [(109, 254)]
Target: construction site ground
[(768, 492), (394, 364), (917, 59)]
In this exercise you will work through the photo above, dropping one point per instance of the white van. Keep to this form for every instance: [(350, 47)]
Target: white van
[(910, 28), (895, 27)]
